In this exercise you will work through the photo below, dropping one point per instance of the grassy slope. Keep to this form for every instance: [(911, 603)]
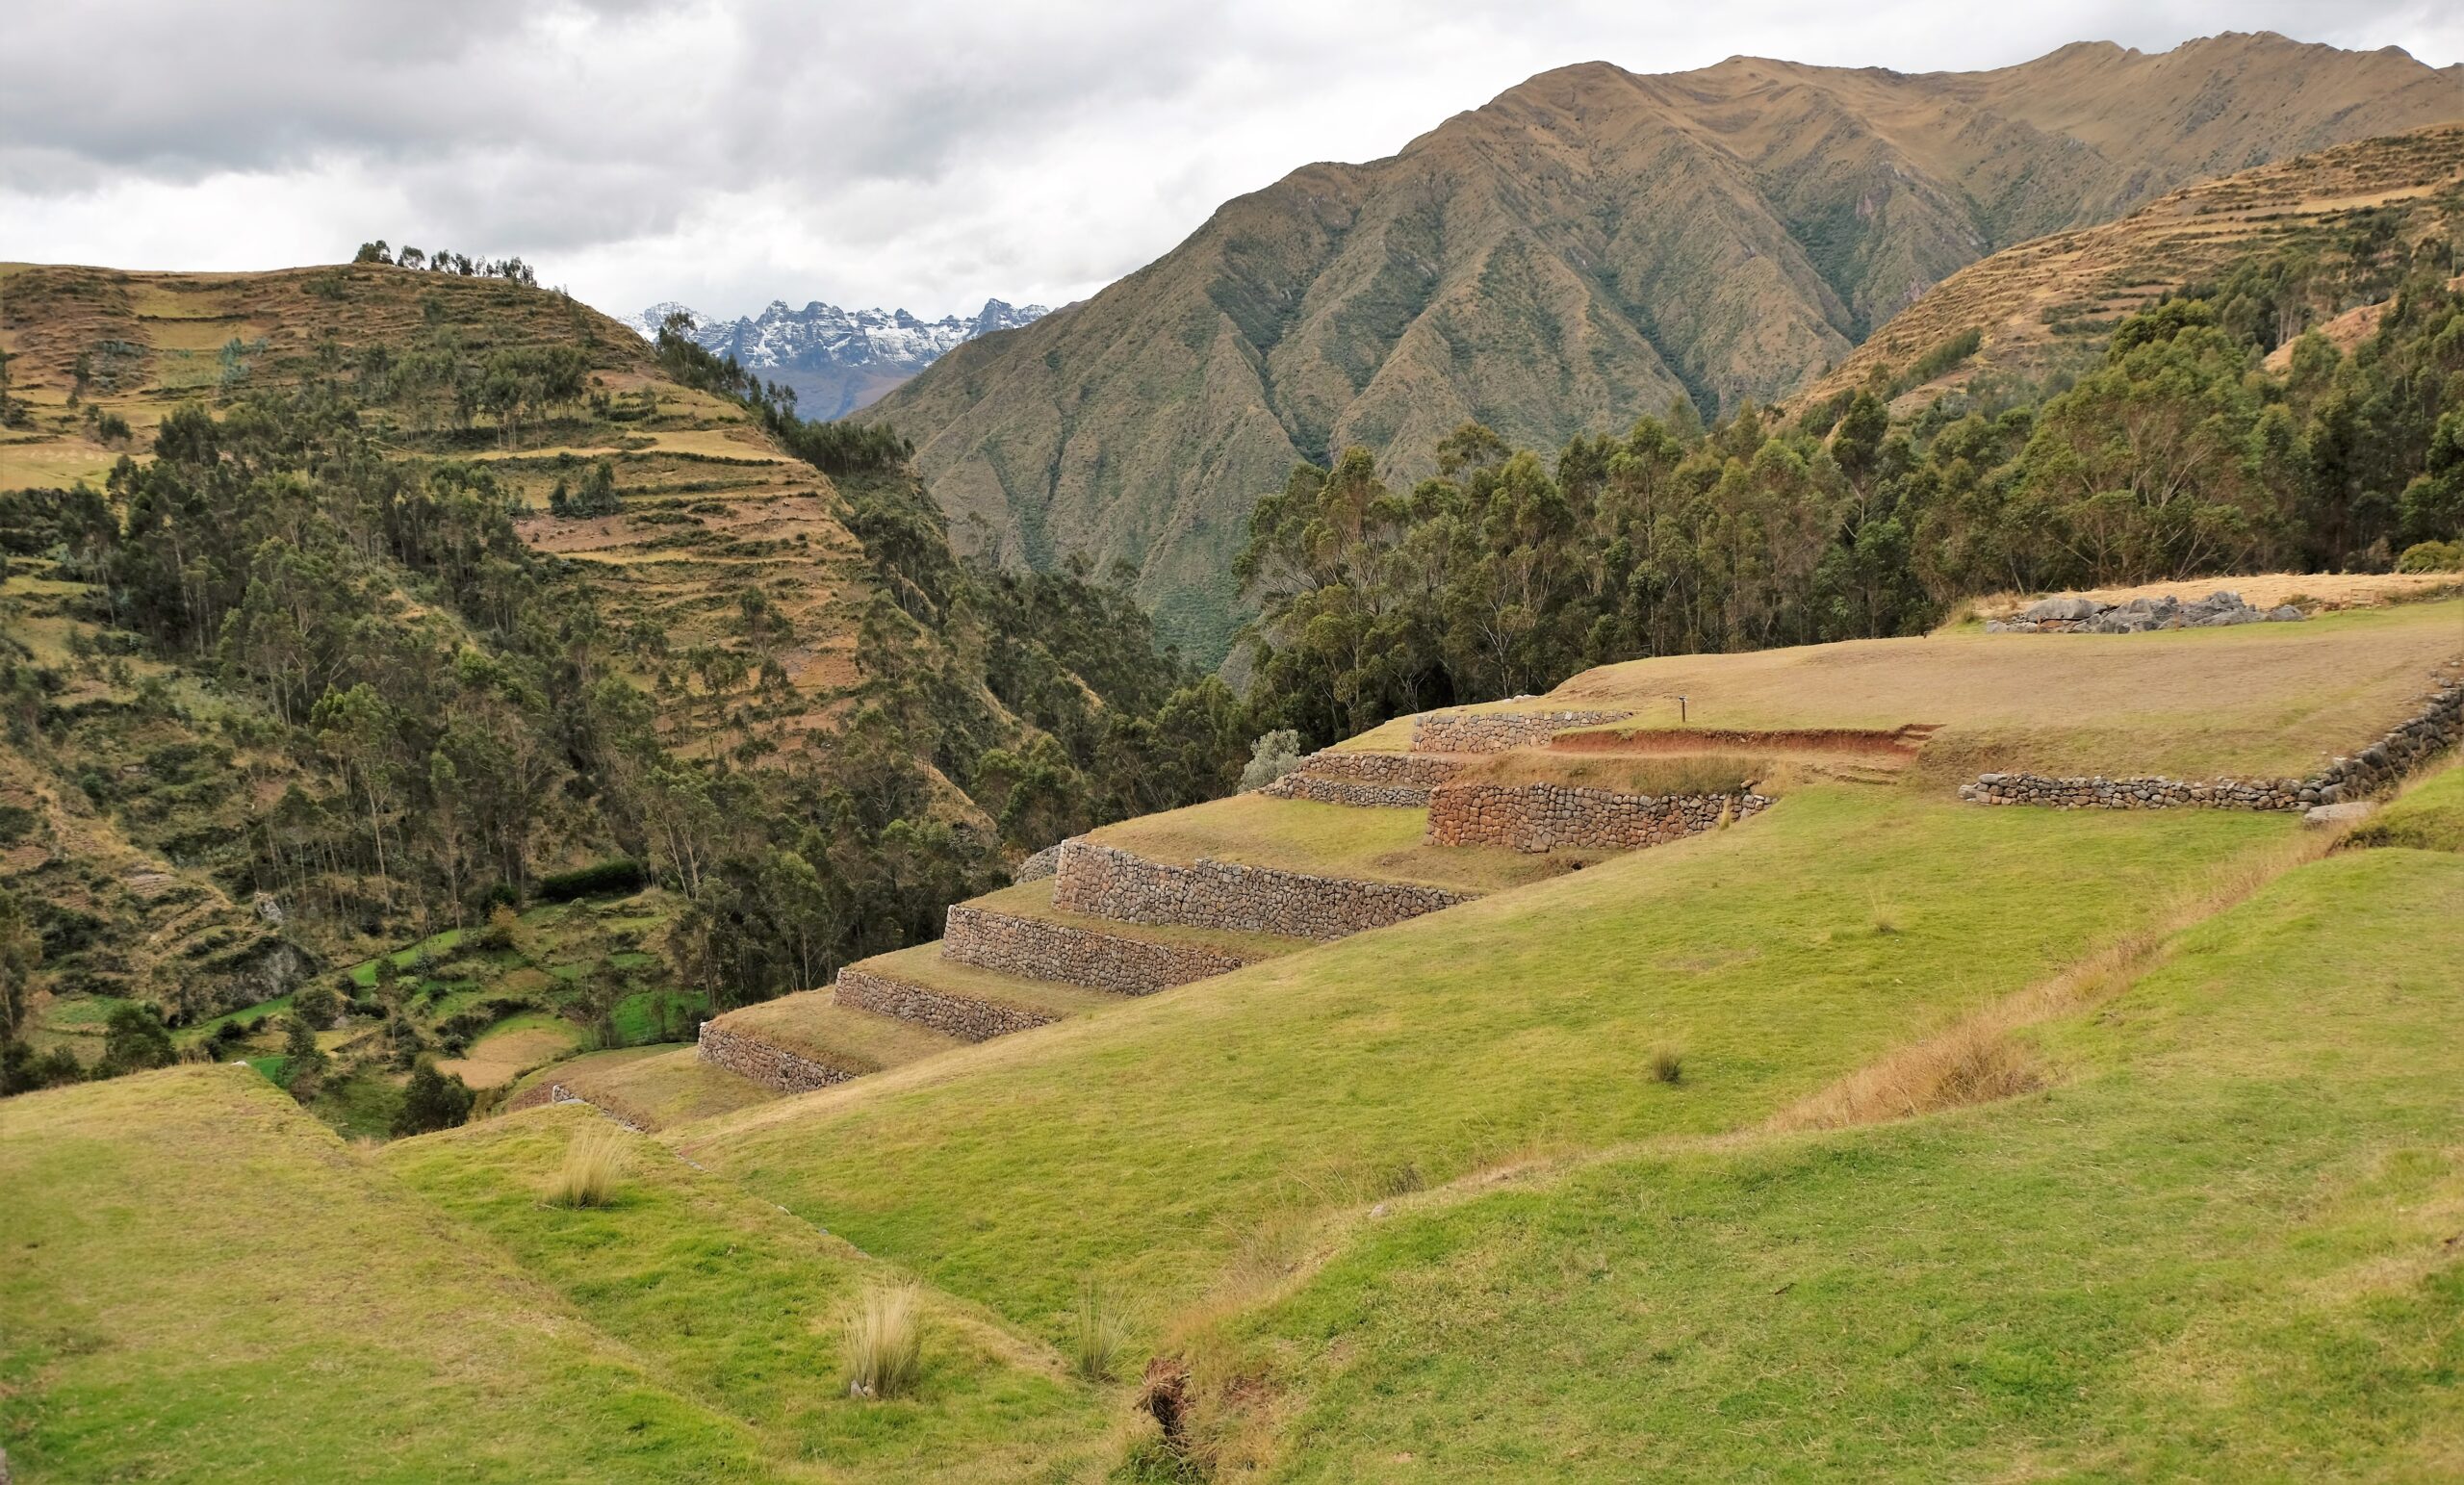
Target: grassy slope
[(1333, 840), (1152, 1145), (2224, 1246), (738, 1304), (2429, 817), (267, 1307)]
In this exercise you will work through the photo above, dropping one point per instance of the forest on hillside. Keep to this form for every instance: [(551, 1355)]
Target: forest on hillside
[(2179, 454)]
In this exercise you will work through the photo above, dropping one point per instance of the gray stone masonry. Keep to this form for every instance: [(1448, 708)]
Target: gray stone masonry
[(952, 1013), (1536, 817), (1041, 949), (1498, 731), (1102, 881), (770, 1067), (2095, 616), (2437, 726)]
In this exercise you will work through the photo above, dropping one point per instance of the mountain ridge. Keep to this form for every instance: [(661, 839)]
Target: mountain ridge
[(1587, 246), (838, 360)]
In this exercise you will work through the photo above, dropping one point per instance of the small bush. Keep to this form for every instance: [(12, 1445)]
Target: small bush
[(593, 1161), (1271, 758), (885, 1341), (1668, 1066), (2433, 557), (1096, 1339)]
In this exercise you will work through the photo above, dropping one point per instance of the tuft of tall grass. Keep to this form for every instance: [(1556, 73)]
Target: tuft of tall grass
[(1097, 1338), (885, 1341), (593, 1161), (1668, 1065)]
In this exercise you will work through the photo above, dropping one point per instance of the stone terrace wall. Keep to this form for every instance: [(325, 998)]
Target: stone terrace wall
[(2438, 726), (1040, 949), (1398, 781), (963, 1017), (1343, 792), (1104, 882), (1537, 816), (1497, 731), (770, 1067)]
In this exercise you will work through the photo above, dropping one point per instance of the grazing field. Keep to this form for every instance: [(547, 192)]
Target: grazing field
[(204, 1284), (1171, 1143), (2222, 1245)]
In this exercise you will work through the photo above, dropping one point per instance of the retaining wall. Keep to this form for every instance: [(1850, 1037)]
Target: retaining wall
[(1536, 817), (2438, 726), (770, 1067), (1344, 791), (1495, 731), (1040, 949), (1105, 882), (963, 1017)]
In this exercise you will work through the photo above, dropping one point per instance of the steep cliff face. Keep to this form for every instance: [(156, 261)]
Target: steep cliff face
[(1589, 245)]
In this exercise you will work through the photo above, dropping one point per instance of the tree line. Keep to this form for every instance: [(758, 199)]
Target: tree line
[(2177, 454)]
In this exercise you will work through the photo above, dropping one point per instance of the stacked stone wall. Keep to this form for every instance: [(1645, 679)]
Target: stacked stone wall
[(1040, 949), (1344, 791), (2437, 726), (770, 1066), (1536, 817), (1103, 882), (1036, 867), (968, 1018), (1497, 731)]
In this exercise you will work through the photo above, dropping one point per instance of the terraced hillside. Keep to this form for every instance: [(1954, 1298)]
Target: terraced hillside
[(1854, 1129), (1572, 255), (2052, 302)]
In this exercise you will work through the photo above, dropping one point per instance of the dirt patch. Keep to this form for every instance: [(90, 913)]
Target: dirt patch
[(1898, 742)]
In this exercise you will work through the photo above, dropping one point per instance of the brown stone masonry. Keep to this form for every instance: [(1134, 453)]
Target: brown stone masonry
[(1497, 731), (1040, 949), (1538, 816), (2437, 726), (1344, 791), (1102, 881), (968, 1018), (770, 1067)]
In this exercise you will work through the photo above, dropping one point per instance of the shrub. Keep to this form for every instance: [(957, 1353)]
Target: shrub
[(496, 934), (2433, 557), (621, 875), (1668, 1065), (434, 1100), (593, 1161), (885, 1341), (135, 1038), (1096, 1339), (1271, 758)]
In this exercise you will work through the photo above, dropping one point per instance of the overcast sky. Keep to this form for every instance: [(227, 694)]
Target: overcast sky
[(903, 153)]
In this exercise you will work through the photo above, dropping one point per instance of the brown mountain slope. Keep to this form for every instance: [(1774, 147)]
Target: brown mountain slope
[(2050, 301), (1583, 249)]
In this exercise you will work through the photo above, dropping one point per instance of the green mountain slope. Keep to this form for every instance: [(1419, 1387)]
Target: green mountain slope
[(1582, 249)]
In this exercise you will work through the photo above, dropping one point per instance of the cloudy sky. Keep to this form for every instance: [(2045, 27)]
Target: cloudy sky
[(900, 152)]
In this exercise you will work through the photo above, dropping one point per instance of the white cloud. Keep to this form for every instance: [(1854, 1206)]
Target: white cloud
[(925, 155)]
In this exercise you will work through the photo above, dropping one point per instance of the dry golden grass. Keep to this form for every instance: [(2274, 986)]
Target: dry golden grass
[(593, 1161), (884, 1331), (2316, 591), (497, 1061)]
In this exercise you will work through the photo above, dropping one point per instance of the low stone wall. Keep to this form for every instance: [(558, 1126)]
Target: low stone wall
[(1536, 817), (770, 1067), (1104, 882), (1410, 769), (1036, 867), (1344, 791), (2437, 726), (1495, 731), (1040, 949), (966, 1017)]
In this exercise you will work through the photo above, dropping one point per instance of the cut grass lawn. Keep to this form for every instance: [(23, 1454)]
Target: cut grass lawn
[(2222, 1246), (2266, 700), (202, 1283), (1330, 840), (1152, 1146), (738, 1303)]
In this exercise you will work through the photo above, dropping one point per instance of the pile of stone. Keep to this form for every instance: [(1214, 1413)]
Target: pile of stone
[(2095, 616)]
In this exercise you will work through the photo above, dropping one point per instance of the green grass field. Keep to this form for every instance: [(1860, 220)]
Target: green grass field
[(1159, 1145), (211, 1286), (737, 1303), (2222, 1246)]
